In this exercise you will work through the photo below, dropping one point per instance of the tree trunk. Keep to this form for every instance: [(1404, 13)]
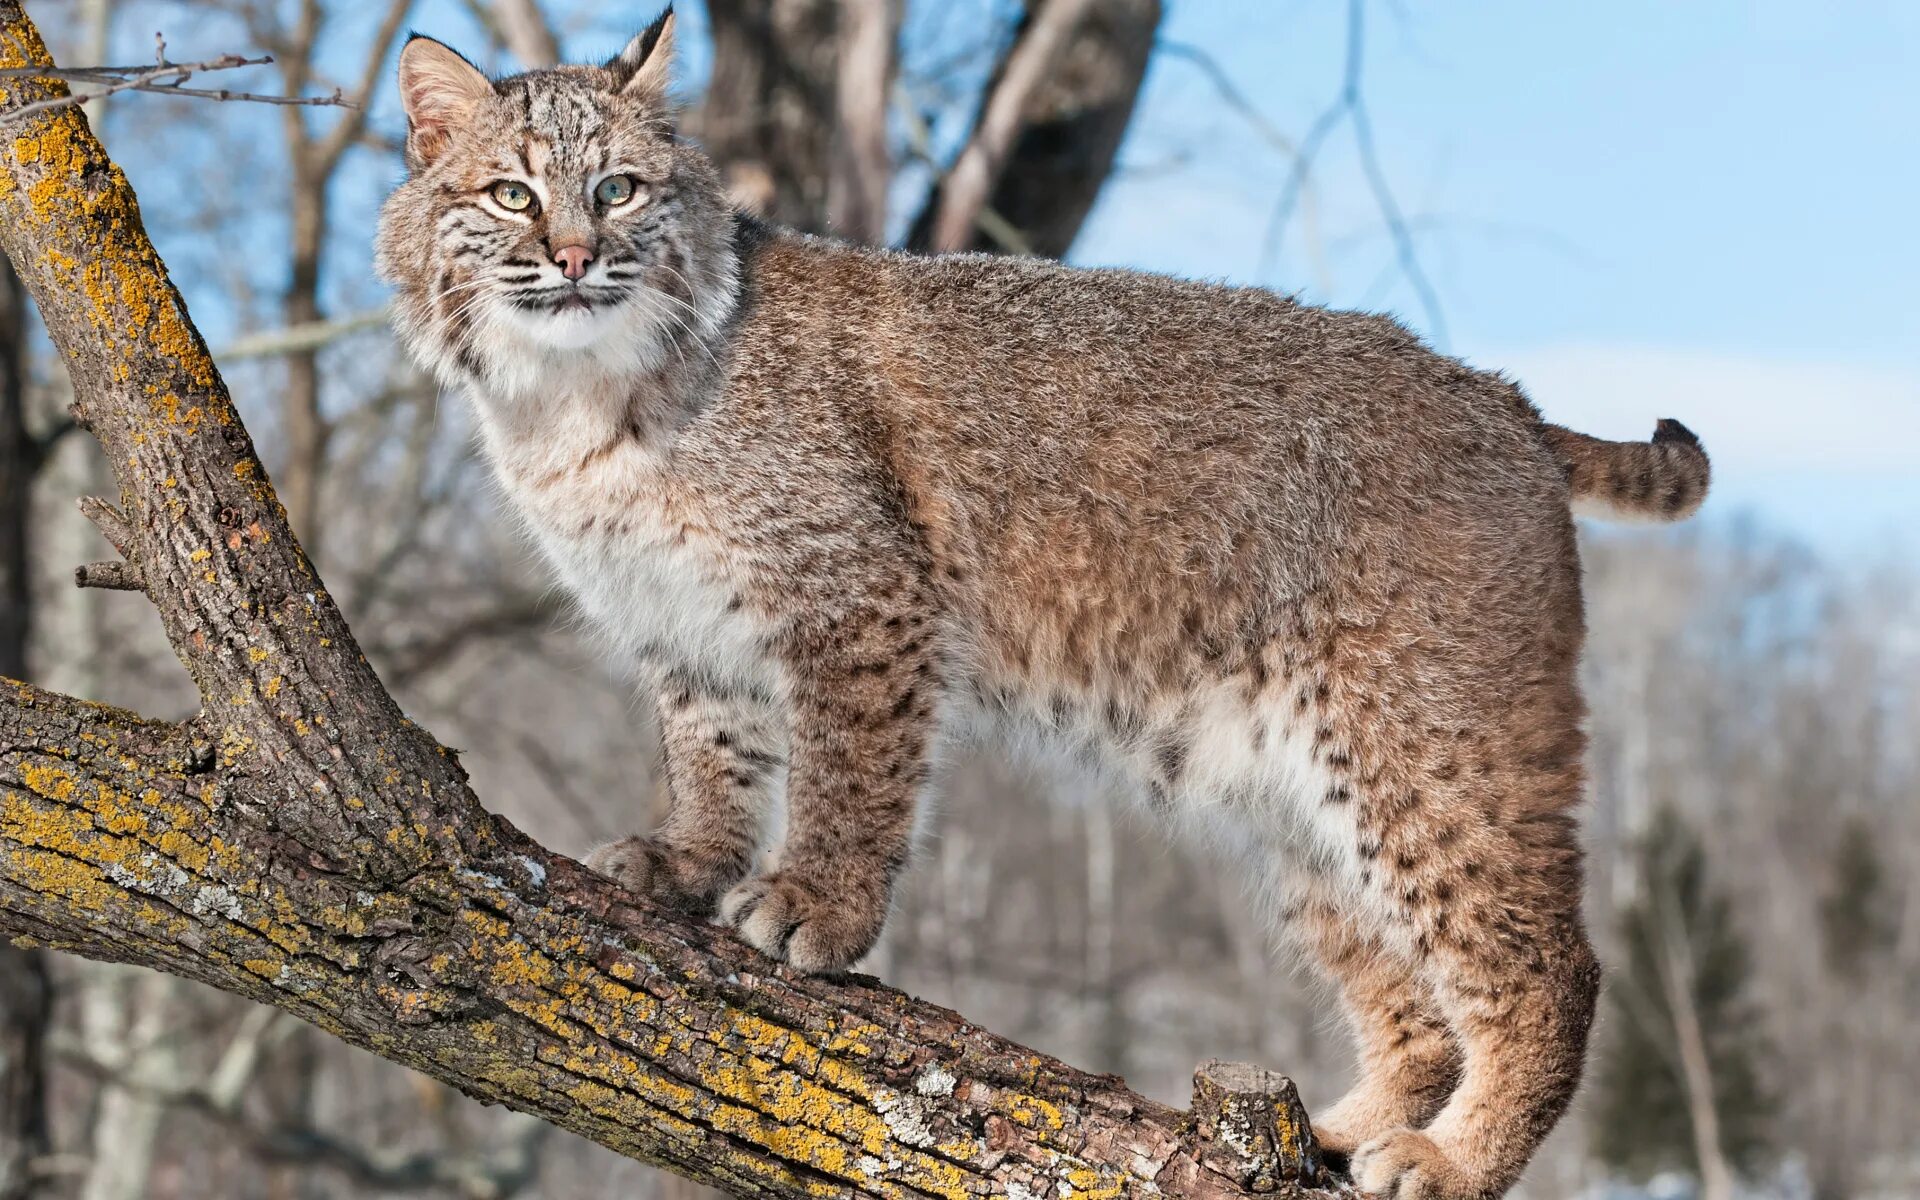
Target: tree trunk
[(126, 1130), (25, 1002), (767, 119), (862, 166), (1678, 981), (19, 463), (25, 1006), (302, 844), (1071, 121)]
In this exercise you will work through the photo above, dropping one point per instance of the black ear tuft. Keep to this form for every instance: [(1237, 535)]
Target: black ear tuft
[(1670, 430), (640, 51)]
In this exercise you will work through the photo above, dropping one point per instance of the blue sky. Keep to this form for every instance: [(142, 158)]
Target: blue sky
[(1701, 210)]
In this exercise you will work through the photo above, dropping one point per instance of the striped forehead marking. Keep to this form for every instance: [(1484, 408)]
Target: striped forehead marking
[(537, 151)]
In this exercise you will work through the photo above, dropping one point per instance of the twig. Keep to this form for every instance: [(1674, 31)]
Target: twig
[(109, 521), (348, 130), (161, 77), (1383, 194), (1351, 106), (1296, 153), (121, 576)]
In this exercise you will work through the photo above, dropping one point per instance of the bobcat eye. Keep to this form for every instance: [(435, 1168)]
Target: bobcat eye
[(514, 197), (614, 190)]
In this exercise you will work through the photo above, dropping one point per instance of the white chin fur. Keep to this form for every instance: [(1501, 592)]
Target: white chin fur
[(574, 329), (525, 351)]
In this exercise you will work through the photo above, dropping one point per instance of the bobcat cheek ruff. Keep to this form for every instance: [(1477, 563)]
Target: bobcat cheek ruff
[(1283, 576)]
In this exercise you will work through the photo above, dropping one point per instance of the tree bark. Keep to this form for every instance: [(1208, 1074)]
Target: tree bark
[(300, 843)]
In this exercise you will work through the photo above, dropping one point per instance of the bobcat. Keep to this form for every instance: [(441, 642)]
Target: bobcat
[(1285, 576)]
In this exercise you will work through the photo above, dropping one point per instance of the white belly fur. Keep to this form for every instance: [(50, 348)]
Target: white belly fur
[(646, 589), (650, 583), (1265, 806)]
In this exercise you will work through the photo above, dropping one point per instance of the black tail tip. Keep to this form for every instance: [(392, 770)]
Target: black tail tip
[(1669, 430)]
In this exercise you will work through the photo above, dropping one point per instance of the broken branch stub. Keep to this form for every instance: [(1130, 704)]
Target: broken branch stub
[(1251, 1127)]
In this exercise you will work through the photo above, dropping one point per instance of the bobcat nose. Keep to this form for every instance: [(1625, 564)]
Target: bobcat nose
[(573, 260)]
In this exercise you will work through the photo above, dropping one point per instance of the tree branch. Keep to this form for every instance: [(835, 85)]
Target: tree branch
[(111, 576), (302, 844), (1071, 124), (299, 339), (1351, 106)]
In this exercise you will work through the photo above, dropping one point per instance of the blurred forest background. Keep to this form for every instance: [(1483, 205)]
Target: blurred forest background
[(1755, 694)]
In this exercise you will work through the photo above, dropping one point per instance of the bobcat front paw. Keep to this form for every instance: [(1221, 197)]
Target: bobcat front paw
[(671, 878), (1379, 1103), (1408, 1165), (809, 927)]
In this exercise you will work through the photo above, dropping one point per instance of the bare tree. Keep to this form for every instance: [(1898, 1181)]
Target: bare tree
[(313, 159)]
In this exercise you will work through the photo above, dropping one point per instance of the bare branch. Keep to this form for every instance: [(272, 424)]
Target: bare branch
[(1237, 101), (109, 520), (347, 131), (1383, 194), (298, 339), (989, 219), (1351, 106), (161, 78)]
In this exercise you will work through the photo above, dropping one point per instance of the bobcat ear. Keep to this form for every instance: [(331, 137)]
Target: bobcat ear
[(641, 70), (439, 90)]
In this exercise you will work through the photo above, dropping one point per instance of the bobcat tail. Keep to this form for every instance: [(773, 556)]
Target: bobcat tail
[(1661, 480)]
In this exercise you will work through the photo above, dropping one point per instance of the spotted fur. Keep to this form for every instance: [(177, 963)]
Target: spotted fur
[(1284, 577)]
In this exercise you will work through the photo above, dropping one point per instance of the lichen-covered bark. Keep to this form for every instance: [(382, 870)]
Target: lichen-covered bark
[(300, 843), (518, 977)]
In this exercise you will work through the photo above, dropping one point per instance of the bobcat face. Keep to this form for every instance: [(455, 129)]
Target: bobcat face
[(550, 218), (565, 237)]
